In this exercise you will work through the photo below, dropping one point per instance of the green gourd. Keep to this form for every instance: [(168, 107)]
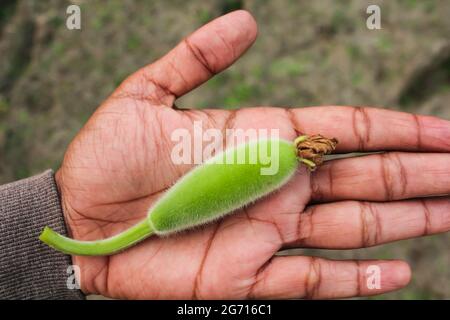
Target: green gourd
[(223, 184)]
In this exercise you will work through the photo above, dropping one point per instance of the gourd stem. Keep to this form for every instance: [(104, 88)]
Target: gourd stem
[(103, 247)]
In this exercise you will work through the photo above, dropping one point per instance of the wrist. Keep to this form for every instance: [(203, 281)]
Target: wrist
[(67, 216)]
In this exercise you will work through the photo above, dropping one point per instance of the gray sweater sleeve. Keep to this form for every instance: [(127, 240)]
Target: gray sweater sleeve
[(28, 268)]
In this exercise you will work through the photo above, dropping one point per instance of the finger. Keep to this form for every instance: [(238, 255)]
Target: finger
[(352, 224), (207, 51), (382, 177), (291, 277), (373, 129)]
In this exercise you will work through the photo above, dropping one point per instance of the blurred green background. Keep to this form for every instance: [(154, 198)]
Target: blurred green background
[(307, 53)]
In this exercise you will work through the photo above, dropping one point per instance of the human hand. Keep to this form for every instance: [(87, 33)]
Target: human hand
[(119, 164)]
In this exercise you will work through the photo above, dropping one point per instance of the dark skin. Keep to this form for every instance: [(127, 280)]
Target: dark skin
[(119, 164)]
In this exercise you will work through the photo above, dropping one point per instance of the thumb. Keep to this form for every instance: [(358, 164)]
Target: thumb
[(197, 58)]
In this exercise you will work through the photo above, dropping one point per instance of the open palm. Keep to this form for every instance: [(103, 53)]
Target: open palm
[(119, 164)]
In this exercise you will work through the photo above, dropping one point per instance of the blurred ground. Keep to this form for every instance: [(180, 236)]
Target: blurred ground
[(308, 53)]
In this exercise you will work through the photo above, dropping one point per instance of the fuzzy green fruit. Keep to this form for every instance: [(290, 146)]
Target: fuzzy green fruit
[(212, 190), (223, 184)]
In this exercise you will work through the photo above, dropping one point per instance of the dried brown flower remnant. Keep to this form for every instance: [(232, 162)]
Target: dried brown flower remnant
[(311, 149)]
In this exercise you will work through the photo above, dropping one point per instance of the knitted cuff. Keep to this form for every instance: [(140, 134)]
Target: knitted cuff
[(28, 268)]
